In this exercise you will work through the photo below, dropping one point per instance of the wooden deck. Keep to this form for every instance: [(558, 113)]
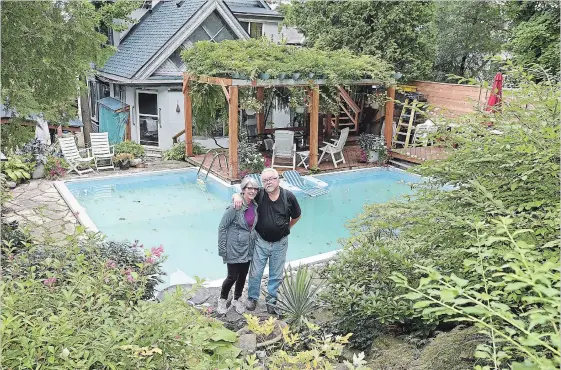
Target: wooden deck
[(420, 154), (351, 153)]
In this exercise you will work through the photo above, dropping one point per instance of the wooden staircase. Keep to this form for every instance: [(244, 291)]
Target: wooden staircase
[(349, 112)]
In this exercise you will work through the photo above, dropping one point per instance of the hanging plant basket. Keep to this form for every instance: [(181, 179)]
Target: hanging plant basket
[(299, 109)]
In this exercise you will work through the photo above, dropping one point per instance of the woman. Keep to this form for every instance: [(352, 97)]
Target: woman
[(236, 237)]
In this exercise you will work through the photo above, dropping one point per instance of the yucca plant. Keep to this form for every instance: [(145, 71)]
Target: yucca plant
[(297, 296)]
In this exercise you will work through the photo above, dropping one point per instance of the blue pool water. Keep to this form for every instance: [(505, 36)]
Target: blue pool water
[(173, 210)]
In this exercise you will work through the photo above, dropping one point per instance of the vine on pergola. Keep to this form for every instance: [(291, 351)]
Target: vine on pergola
[(264, 60)]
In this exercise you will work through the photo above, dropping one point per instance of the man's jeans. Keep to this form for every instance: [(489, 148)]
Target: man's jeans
[(275, 252)]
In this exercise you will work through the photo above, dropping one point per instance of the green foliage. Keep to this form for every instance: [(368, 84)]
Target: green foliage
[(60, 39), (297, 299), (511, 172), (400, 33), (56, 167), (249, 158), (5, 193), (75, 309), (513, 297), (255, 56), (210, 109), (130, 147), (535, 34), (376, 143), (15, 135), (18, 167), (177, 151), (466, 36)]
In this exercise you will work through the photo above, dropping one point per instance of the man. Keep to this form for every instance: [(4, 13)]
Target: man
[(278, 211)]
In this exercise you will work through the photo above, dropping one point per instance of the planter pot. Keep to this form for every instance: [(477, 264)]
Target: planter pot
[(299, 109), (124, 165), (282, 76), (235, 75), (264, 76), (39, 171), (250, 112), (373, 156), (135, 162), (311, 75), (295, 76)]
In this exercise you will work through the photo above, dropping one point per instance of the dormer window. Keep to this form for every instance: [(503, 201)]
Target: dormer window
[(253, 29)]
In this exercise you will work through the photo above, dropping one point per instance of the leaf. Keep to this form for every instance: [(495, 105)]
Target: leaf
[(225, 335), (460, 282), (448, 295), (515, 286), (422, 304)]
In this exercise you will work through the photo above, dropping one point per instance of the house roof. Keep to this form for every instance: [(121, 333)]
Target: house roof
[(253, 11), (149, 35)]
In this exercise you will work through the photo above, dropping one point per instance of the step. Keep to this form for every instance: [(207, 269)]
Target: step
[(152, 152), (400, 164)]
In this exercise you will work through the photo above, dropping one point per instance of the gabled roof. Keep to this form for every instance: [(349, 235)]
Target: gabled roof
[(148, 36)]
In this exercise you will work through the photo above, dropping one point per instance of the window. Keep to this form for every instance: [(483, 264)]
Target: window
[(253, 29), (120, 92), (213, 29)]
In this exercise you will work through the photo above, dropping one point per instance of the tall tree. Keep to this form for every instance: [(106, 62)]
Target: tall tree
[(468, 33), (399, 32), (535, 34), (49, 46)]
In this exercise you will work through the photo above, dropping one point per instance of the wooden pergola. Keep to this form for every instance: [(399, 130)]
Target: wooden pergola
[(231, 92)]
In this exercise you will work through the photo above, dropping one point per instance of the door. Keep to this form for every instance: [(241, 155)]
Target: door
[(149, 122)]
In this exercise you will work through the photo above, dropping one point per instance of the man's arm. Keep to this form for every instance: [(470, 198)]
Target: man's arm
[(293, 222)]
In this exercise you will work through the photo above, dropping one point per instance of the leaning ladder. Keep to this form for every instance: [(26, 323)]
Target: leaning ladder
[(409, 125), (218, 155)]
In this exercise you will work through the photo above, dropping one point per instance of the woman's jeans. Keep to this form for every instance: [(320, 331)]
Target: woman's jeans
[(275, 252)]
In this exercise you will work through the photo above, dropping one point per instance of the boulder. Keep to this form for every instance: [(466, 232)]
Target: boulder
[(247, 343)]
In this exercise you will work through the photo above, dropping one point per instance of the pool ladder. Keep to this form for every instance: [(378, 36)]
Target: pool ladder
[(218, 155)]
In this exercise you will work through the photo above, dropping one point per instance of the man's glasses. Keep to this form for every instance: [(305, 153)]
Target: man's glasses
[(270, 180)]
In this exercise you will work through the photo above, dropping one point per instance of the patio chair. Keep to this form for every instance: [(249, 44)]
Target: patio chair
[(102, 152), (422, 133), (72, 155), (284, 147), (335, 148), (294, 179)]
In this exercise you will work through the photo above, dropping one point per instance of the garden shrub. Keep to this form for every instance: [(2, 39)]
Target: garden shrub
[(76, 309), (249, 158), (56, 167), (130, 147), (177, 151), (512, 172), (15, 135), (18, 168)]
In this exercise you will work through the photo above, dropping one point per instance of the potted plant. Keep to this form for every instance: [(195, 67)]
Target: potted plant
[(35, 151), (123, 160), (374, 147)]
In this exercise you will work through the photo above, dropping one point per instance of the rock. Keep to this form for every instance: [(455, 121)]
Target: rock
[(247, 343), (11, 184), (341, 366), (261, 354)]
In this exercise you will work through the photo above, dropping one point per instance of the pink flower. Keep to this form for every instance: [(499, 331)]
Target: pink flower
[(157, 251), (50, 281), (128, 274), (111, 264), (150, 260), (130, 278)]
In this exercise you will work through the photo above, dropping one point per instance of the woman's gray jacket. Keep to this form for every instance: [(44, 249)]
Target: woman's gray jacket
[(236, 241)]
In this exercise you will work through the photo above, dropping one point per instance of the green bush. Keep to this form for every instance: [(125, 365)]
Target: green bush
[(510, 172), (130, 147), (18, 168), (15, 135), (74, 309), (56, 167), (177, 151)]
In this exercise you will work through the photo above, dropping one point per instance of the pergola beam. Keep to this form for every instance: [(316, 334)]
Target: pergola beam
[(188, 114), (388, 123), (233, 132)]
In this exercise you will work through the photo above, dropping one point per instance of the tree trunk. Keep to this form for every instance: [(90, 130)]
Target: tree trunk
[(86, 114)]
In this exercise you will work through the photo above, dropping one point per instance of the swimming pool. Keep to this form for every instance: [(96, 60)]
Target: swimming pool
[(172, 209)]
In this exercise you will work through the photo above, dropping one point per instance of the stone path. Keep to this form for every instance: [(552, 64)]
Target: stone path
[(38, 206)]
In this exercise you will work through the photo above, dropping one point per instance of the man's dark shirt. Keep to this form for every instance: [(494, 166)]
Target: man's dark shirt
[(273, 223)]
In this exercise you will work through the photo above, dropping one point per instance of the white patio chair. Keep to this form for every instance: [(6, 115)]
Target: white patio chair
[(336, 147), (422, 133), (102, 152), (284, 147), (72, 156)]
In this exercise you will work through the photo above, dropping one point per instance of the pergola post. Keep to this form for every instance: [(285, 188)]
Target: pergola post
[(314, 126), (233, 132), (188, 114), (388, 123), (261, 113)]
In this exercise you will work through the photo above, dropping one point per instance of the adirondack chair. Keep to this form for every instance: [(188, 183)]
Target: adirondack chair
[(72, 156), (284, 147), (335, 148), (294, 179), (102, 152)]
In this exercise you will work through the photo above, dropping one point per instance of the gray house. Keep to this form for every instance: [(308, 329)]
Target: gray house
[(146, 71)]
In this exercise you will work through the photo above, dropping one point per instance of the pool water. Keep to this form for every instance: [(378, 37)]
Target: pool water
[(172, 209)]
